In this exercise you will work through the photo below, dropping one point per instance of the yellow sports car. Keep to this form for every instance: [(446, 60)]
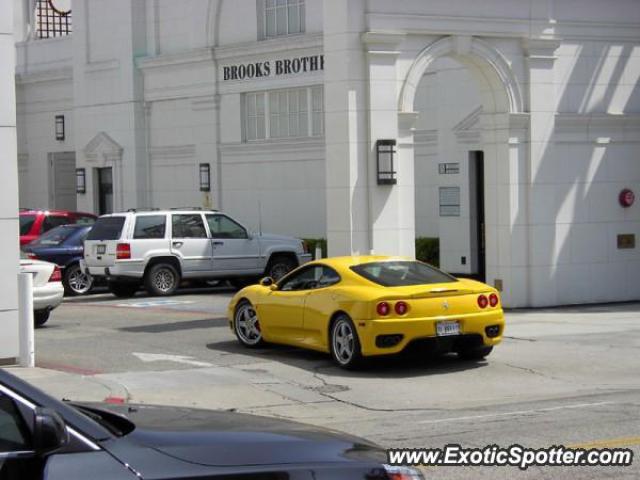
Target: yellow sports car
[(356, 307)]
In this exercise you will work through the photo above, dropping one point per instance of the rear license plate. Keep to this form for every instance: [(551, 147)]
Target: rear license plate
[(447, 328), (101, 249)]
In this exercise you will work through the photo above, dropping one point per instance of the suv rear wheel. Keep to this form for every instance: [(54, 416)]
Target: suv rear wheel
[(162, 279), (279, 266), (123, 289)]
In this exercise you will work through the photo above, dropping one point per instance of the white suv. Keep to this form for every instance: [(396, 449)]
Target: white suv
[(162, 247)]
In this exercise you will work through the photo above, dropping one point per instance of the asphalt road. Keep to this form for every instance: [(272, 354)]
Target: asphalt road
[(568, 376)]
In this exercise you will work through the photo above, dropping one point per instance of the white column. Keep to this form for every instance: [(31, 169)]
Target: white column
[(347, 144), (9, 233)]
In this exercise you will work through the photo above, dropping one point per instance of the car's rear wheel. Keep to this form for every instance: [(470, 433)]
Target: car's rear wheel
[(344, 343), (75, 282), (123, 289), (162, 279), (40, 317), (474, 353), (279, 266), (247, 325)]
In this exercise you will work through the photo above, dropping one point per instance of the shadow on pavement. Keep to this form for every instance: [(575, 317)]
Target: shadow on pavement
[(177, 326)]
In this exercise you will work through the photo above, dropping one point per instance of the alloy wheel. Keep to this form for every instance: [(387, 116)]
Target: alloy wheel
[(164, 280), (343, 341), (247, 325), (79, 282)]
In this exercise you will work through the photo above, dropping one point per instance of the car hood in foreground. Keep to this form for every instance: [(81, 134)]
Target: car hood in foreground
[(224, 439)]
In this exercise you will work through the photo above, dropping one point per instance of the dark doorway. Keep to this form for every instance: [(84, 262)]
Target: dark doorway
[(476, 197), (105, 190)]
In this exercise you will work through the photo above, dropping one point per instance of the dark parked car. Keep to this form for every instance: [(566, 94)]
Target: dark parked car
[(64, 246), (34, 223), (41, 437)]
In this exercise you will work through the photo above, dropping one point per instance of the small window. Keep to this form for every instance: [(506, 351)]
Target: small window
[(106, 228), (52, 221), (305, 279), (188, 226), (150, 226), (26, 223), (329, 277), (14, 434), (283, 17), (223, 227)]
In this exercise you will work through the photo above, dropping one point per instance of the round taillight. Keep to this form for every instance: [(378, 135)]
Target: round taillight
[(493, 299), (383, 309), (401, 308), (483, 301)]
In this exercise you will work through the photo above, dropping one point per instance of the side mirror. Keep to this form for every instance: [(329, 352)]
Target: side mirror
[(266, 282), (49, 431)]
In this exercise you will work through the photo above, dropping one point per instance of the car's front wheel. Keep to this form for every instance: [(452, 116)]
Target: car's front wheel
[(123, 289), (344, 343), (75, 282), (246, 325), (475, 353), (40, 317), (162, 279)]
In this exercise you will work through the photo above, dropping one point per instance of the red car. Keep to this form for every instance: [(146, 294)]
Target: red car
[(34, 223)]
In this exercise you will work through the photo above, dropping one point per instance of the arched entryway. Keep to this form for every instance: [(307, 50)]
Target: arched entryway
[(497, 233)]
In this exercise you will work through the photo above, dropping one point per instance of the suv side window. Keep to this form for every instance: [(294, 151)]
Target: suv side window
[(150, 226), (51, 221), (188, 226), (222, 226), (14, 434)]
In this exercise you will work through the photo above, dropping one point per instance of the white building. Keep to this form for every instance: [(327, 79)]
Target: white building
[(516, 122)]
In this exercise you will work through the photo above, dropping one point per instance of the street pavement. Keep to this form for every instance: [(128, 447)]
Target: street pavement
[(565, 376)]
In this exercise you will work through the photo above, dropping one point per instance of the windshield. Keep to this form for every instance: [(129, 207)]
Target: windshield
[(26, 222), (54, 237), (106, 228), (401, 273)]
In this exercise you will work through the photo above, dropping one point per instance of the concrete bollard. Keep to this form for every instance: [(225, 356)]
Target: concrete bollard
[(27, 342)]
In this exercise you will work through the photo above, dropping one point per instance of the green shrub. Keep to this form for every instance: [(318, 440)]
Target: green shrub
[(312, 243), (428, 250)]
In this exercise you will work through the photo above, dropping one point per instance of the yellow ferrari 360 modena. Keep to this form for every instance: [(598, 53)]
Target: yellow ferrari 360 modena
[(357, 307)]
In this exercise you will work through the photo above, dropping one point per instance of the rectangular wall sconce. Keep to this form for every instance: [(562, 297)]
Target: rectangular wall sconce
[(59, 127), (205, 177), (81, 180), (385, 151)]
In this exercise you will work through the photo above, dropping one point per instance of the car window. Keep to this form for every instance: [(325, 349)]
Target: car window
[(26, 222), (14, 434), (329, 277), (52, 221), (188, 226), (306, 279), (106, 228), (150, 226), (222, 226), (54, 237), (85, 220), (401, 273)]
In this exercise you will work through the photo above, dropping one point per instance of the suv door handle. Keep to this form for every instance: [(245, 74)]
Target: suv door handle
[(218, 243), (177, 244)]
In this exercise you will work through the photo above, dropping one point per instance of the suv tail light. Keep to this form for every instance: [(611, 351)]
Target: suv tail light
[(383, 309), (493, 299), (401, 308), (123, 251), (56, 275), (483, 301)]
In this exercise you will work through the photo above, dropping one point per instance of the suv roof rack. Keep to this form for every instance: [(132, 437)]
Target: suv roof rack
[(194, 208), (142, 209)]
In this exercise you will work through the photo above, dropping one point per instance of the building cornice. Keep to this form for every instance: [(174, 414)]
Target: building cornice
[(56, 75), (269, 47), (199, 55), (275, 145)]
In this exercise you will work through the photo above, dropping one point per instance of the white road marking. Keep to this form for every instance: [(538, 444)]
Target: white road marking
[(154, 303), (518, 412), (158, 357)]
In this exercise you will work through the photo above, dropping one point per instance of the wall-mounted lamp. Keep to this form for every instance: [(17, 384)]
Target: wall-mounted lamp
[(81, 180), (385, 151), (59, 127), (205, 177)]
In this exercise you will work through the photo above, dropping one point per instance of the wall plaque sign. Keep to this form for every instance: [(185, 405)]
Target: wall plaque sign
[(626, 240)]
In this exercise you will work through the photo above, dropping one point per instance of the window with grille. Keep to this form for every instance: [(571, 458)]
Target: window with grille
[(53, 18), (283, 17), (294, 112)]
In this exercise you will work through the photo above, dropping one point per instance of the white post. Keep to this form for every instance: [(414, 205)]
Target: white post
[(318, 253), (27, 343)]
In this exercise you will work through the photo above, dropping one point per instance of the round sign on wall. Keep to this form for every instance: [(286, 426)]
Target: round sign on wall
[(626, 198)]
